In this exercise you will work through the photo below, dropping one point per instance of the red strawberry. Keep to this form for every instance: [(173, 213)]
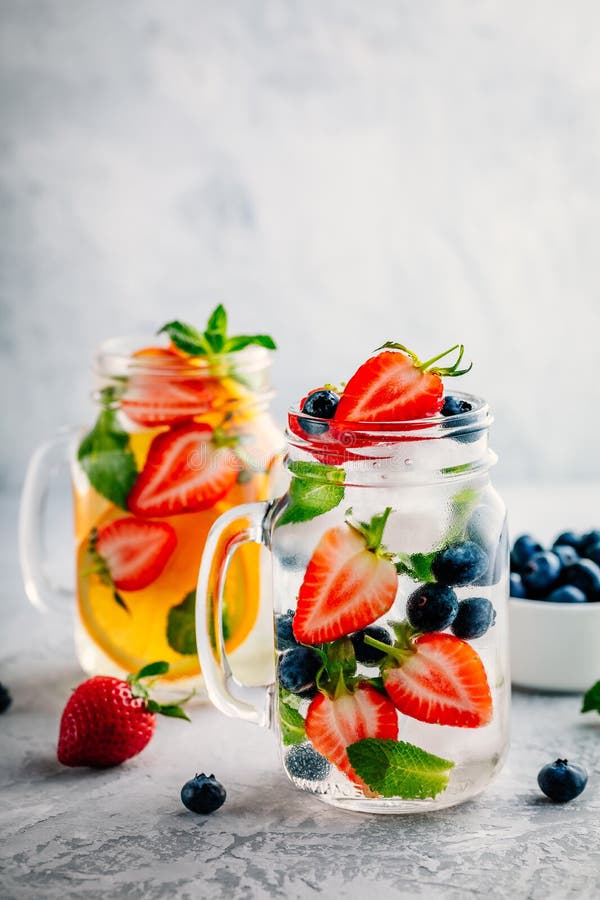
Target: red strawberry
[(107, 720), (154, 400), (133, 552), (396, 386), (188, 468), (439, 679), (350, 582), (332, 724)]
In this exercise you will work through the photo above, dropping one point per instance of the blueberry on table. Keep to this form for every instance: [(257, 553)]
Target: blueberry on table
[(284, 635), (203, 794), (566, 553), (460, 563), (303, 761), (566, 594), (585, 575), (432, 607), (593, 553), (321, 404), (517, 588), (365, 654), (588, 540), (541, 573), (298, 669), (5, 698), (561, 781), (567, 539), (474, 617), (523, 549)]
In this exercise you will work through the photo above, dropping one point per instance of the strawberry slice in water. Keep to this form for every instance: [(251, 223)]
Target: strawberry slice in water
[(350, 582), (334, 723), (188, 468), (395, 386), (438, 678), (133, 552)]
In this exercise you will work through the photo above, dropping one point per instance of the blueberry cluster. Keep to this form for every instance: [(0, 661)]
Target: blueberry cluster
[(569, 572)]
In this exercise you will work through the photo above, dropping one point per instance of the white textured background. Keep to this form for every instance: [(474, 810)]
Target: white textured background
[(337, 172)]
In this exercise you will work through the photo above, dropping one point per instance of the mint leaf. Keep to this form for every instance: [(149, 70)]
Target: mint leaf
[(187, 338), (214, 340), (106, 458), (397, 769), (462, 505), (181, 626), (291, 722), (314, 490), (591, 699), (244, 340), (416, 565)]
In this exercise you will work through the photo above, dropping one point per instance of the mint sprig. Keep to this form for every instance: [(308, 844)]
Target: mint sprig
[(214, 340), (591, 699), (105, 454), (416, 565), (290, 720), (398, 769), (314, 490)]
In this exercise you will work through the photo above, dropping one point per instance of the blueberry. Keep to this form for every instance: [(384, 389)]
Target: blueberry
[(475, 615), (460, 563), (284, 636), (454, 406), (585, 575), (523, 549), (541, 573), (203, 794), (5, 698), (517, 588), (302, 761), (593, 553), (432, 607), (566, 594), (321, 404), (298, 669), (366, 654), (565, 553), (562, 782), (588, 540), (567, 539)]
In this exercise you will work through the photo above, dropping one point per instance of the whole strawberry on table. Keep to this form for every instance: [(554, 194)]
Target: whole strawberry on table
[(383, 641)]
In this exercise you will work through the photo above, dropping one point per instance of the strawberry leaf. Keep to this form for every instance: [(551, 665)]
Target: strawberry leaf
[(314, 490), (172, 710), (156, 668), (291, 723), (397, 769), (106, 457), (591, 699)]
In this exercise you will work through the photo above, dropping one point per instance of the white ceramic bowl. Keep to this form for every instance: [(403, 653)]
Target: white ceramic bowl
[(554, 646)]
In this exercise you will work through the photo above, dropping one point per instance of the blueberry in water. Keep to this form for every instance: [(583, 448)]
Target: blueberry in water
[(453, 406), (566, 594), (561, 781), (474, 617), (203, 794), (588, 540), (585, 575), (321, 404), (460, 563), (517, 588), (566, 553), (567, 539), (366, 654), (298, 669), (593, 553), (432, 607), (523, 549), (541, 573), (284, 634), (302, 761)]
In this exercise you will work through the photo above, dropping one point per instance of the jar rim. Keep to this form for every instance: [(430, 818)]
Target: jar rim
[(116, 358)]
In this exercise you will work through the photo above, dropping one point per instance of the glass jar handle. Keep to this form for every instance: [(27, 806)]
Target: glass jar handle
[(241, 525), (45, 463)]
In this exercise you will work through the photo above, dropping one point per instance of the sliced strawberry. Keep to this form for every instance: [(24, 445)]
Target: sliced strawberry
[(186, 470), (133, 551), (442, 682), (332, 724), (348, 584), (395, 386)]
